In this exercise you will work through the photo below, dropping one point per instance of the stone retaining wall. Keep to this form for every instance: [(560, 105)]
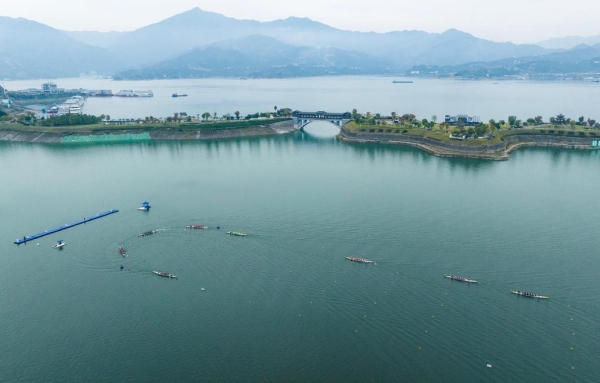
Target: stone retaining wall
[(495, 151)]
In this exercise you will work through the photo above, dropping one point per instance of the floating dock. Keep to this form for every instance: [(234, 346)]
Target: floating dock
[(65, 226)]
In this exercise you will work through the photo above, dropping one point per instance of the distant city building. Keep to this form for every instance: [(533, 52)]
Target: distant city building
[(31, 91), (101, 93), (284, 112), (466, 120), (49, 87)]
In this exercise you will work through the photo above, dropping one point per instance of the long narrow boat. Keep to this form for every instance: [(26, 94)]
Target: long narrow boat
[(149, 232), (122, 251), (528, 294), (238, 233), (359, 260), (460, 279), (164, 274), (196, 227)]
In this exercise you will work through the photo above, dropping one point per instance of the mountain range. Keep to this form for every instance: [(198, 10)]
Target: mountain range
[(581, 62), (33, 50), (261, 57), (197, 43), (569, 42)]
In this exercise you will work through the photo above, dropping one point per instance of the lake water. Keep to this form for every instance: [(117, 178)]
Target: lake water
[(283, 304), (424, 97)]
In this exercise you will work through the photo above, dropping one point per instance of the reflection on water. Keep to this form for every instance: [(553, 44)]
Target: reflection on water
[(322, 129)]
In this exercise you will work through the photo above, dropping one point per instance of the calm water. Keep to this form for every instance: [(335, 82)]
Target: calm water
[(282, 304), (424, 98)]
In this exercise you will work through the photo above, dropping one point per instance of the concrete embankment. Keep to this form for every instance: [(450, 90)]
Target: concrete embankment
[(116, 135), (496, 152)]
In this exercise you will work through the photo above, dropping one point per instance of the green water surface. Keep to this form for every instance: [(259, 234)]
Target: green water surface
[(282, 304)]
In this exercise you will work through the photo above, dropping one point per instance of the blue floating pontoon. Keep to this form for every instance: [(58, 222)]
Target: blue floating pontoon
[(65, 226)]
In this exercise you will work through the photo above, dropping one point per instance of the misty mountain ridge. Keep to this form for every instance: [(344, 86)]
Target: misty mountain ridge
[(196, 28), (581, 62), (569, 42), (295, 44), (97, 39), (33, 50), (259, 57)]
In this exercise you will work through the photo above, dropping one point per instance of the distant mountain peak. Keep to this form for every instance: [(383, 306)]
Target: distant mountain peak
[(300, 22), (580, 46), (456, 32), (196, 14)]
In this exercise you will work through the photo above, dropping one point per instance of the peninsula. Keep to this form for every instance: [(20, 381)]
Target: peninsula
[(493, 141), (496, 146)]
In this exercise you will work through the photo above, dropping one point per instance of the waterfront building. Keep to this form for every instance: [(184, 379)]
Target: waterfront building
[(466, 120), (49, 87)]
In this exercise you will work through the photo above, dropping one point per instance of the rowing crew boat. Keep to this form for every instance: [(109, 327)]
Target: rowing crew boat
[(528, 294), (460, 279), (164, 274), (359, 260), (149, 232), (238, 233), (196, 227)]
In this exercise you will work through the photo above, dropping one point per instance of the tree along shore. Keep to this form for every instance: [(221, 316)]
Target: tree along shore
[(496, 147)]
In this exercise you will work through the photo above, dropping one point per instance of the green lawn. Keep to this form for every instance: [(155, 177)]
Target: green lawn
[(180, 126), (499, 134)]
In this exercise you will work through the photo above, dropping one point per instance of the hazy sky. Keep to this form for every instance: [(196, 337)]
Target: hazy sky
[(519, 21)]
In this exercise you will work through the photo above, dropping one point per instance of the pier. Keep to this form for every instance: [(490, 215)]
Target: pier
[(63, 227)]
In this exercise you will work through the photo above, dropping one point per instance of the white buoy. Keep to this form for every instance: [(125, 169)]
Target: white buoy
[(202, 289)]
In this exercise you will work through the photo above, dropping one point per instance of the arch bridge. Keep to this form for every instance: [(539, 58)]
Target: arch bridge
[(301, 119)]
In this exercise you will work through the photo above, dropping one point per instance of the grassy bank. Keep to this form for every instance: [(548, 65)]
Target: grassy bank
[(438, 134), (143, 127)]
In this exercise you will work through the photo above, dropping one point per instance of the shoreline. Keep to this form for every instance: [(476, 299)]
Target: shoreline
[(58, 135), (493, 152)]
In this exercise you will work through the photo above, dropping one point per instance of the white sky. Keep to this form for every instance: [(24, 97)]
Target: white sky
[(519, 21)]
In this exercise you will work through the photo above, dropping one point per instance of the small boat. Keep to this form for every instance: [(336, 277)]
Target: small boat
[(402, 82), (59, 244), (528, 294), (164, 274), (196, 227), (149, 232), (460, 279), (238, 233), (359, 260), (122, 251), (178, 95), (145, 206)]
